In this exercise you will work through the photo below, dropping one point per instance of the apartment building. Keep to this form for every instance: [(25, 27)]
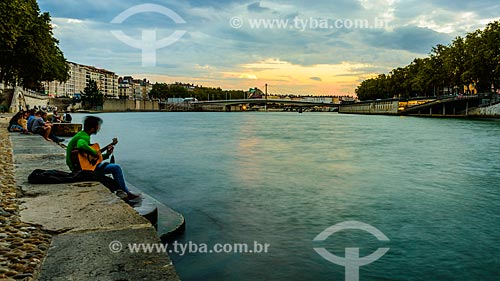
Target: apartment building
[(130, 88), (80, 75)]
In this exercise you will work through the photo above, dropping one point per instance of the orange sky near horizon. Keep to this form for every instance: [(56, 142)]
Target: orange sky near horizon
[(282, 77)]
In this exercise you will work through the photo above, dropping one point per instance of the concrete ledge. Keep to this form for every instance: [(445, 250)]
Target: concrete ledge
[(85, 218), (33, 144), (33, 152), (170, 223), (87, 256), (78, 207), (66, 129)]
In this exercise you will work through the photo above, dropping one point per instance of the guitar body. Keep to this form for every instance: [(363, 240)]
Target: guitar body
[(89, 162), (84, 161)]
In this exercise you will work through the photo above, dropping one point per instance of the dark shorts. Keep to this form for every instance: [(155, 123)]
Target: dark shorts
[(39, 131)]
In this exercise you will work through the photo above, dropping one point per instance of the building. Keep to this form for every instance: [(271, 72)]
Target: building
[(80, 75), (254, 93), (126, 87), (130, 88), (319, 99)]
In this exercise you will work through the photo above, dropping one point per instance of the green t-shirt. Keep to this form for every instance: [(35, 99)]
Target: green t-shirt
[(81, 142)]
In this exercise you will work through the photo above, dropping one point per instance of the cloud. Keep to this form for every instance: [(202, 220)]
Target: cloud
[(257, 8), (248, 76), (409, 38), (308, 61)]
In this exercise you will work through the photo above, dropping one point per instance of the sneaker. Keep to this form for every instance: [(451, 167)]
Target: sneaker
[(121, 194), (131, 196)]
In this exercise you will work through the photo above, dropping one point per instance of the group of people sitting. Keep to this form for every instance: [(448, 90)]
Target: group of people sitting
[(65, 118), (35, 122)]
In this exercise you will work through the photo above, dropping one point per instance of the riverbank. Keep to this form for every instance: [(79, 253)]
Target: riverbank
[(475, 106), (22, 246), (65, 231)]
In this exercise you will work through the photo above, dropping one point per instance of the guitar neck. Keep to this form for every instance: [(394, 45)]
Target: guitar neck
[(105, 148)]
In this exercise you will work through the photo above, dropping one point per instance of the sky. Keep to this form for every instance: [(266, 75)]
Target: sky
[(322, 47)]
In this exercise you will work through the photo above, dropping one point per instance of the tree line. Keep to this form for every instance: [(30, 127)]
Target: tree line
[(467, 62), (29, 53), (164, 91)]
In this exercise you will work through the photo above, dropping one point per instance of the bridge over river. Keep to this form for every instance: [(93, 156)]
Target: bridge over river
[(238, 104), (448, 106), (457, 106), (267, 101)]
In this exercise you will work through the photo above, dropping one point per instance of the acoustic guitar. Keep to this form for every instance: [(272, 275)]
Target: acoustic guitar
[(89, 162)]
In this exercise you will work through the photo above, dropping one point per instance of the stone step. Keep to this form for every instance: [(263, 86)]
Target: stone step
[(169, 222)]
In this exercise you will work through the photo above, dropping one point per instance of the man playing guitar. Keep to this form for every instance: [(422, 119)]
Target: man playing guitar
[(81, 155)]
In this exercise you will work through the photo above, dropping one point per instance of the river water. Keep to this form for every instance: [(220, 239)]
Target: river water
[(432, 186)]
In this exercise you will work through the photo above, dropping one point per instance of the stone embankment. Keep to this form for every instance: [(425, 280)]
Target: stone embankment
[(23, 246), (67, 231)]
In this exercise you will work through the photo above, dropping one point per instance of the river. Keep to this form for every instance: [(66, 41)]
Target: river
[(431, 185)]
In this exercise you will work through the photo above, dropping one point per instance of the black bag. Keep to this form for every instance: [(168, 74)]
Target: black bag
[(39, 176)]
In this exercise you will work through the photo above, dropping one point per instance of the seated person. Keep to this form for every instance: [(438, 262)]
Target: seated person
[(13, 123), (30, 119), (56, 118), (67, 117), (23, 122), (43, 128), (81, 142)]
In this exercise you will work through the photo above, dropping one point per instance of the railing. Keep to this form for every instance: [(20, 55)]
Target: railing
[(29, 93)]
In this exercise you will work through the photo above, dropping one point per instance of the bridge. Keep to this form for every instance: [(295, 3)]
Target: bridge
[(458, 106), (266, 102), (448, 106)]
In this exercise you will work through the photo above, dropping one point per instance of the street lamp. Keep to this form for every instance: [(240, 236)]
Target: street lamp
[(493, 81)]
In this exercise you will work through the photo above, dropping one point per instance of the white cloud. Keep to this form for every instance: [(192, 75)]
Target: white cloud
[(458, 22), (74, 21), (213, 53)]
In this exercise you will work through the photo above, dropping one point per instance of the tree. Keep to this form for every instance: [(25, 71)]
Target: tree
[(159, 91), (29, 54), (92, 97), (492, 39), (177, 90), (470, 60), (484, 53), (423, 75)]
